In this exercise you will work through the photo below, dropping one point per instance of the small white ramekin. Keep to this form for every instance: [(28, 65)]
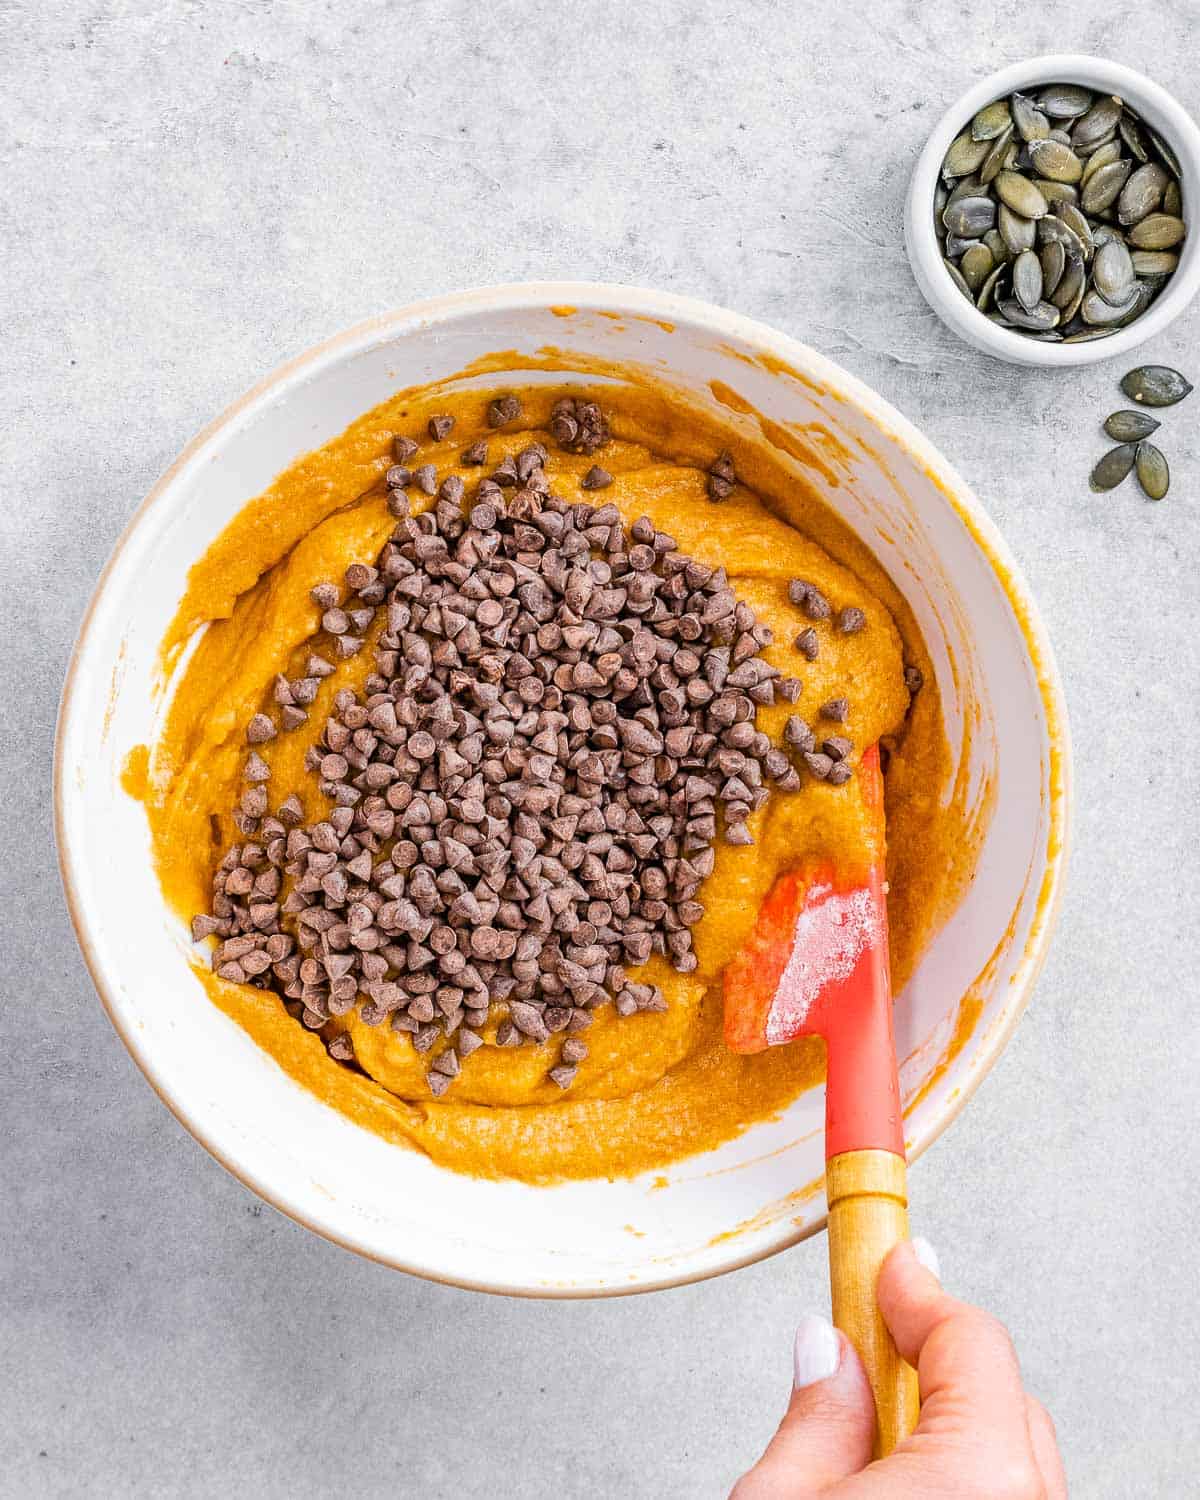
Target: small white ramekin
[(1155, 106)]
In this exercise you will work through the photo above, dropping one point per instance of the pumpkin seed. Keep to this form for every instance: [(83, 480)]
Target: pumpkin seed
[(1154, 262), (1020, 195), (976, 266), (1102, 188), (959, 280), (994, 240), (1063, 137), (994, 161), (1104, 234), (988, 288), (1037, 319), (1056, 192), (1108, 153), (991, 121), (1053, 228), (1155, 385), (1093, 128), (964, 156), (1082, 335), (1099, 313), (1131, 134), (956, 246), (1173, 200), (1031, 123), (1113, 469), (1018, 233), (1065, 101), (970, 217), (1153, 474), (1157, 232), (1130, 426), (1143, 193), (1054, 263), (1069, 215), (1167, 155), (1113, 274), (1070, 286), (1027, 280), (1054, 160)]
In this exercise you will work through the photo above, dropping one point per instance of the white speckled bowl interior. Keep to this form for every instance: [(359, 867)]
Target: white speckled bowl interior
[(758, 1193)]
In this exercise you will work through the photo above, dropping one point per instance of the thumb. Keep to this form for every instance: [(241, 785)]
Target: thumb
[(828, 1428)]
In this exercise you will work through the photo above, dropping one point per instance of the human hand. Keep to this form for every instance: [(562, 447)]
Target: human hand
[(980, 1436)]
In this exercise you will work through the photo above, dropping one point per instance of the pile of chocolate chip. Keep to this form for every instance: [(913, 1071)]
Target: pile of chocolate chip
[(526, 794)]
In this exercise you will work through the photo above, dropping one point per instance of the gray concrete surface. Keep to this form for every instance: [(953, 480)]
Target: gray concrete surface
[(193, 192)]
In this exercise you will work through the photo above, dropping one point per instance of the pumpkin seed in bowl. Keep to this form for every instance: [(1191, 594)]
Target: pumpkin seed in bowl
[(1060, 213)]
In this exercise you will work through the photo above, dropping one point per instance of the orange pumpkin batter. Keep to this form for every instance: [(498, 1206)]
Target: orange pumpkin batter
[(654, 1087)]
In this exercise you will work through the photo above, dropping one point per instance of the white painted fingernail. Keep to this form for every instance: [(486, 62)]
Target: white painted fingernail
[(927, 1255), (818, 1352)]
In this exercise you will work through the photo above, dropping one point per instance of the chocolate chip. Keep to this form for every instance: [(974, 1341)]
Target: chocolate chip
[(260, 729), (837, 709), (914, 679), (721, 476), (796, 732), (440, 426), (403, 448), (808, 643), (820, 765), (476, 454), (425, 479), (851, 620), (503, 410), (837, 747), (839, 773), (596, 478)]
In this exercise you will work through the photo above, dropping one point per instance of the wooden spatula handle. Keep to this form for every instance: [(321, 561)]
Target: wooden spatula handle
[(868, 1214)]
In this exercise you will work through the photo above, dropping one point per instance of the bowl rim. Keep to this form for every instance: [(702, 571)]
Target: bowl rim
[(925, 255), (721, 323)]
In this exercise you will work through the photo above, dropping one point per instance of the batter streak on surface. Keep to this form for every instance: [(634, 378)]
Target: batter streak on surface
[(655, 1087)]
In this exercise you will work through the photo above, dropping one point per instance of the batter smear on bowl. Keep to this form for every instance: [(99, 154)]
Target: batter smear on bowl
[(475, 785)]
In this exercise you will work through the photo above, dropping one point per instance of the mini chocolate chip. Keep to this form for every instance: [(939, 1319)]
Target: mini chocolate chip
[(914, 679), (476, 454), (837, 747), (260, 729), (596, 478), (808, 643), (851, 620), (503, 410), (837, 709), (403, 448), (440, 426)]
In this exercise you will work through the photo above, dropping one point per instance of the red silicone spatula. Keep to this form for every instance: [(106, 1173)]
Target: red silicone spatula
[(816, 964)]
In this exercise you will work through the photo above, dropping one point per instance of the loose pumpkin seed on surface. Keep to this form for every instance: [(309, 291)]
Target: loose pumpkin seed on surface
[(1155, 385), (1153, 474), (1130, 426), (1113, 469)]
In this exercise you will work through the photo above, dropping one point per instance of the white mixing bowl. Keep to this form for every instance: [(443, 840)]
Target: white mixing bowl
[(758, 1193)]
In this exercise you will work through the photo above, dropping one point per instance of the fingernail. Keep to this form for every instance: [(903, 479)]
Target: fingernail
[(818, 1352), (927, 1255)]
